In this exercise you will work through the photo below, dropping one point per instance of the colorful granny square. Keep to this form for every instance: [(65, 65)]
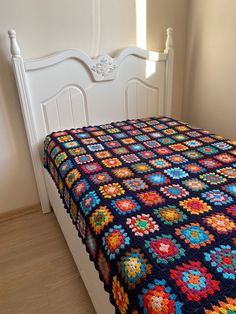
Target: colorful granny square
[(150, 198), (220, 223), (166, 140), (95, 147), (223, 259), (164, 249), (230, 188), (91, 168), (195, 205), (72, 176), (225, 158), (111, 190), (170, 214), (177, 159), (89, 202), (120, 135), (128, 141), (194, 134), (160, 163), (115, 240), (158, 298), (120, 150), (163, 151), (176, 173), (119, 295), (71, 144), (100, 218), (60, 158), (142, 224), (142, 138), (83, 159), (77, 151), (152, 144), (81, 225), (65, 167), (194, 235), (147, 154), (194, 281), (130, 158), (88, 141), (112, 144), (100, 178), (174, 191), (169, 132), (55, 151), (228, 172), (209, 163), (212, 178), (135, 184), (178, 147), (104, 267), (82, 135), (111, 162), (192, 154), (134, 267), (217, 197), (194, 168), (193, 143), (208, 150), (91, 244), (157, 178), (207, 139), (125, 205), (142, 167), (65, 138), (103, 154), (195, 184), (136, 147), (80, 188), (123, 173), (222, 145)]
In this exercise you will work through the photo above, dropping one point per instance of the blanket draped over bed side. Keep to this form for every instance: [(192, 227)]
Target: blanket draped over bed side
[(154, 201)]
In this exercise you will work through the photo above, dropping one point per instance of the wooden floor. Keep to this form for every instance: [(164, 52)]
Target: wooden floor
[(37, 272)]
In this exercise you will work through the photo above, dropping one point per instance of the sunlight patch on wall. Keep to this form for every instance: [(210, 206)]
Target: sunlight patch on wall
[(141, 34)]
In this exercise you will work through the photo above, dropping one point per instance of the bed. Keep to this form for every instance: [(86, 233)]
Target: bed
[(152, 198)]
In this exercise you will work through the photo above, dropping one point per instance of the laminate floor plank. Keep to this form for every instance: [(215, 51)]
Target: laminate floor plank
[(37, 272)]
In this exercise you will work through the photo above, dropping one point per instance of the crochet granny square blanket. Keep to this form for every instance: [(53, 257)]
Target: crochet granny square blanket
[(154, 202)]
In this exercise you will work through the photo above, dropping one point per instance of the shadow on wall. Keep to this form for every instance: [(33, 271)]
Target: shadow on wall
[(12, 136), (190, 76)]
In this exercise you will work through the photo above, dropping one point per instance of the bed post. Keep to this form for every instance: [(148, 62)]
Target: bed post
[(169, 71), (20, 75)]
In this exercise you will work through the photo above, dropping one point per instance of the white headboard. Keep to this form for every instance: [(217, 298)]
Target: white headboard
[(69, 90)]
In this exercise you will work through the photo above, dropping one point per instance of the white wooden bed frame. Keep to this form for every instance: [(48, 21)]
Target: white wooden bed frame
[(70, 90)]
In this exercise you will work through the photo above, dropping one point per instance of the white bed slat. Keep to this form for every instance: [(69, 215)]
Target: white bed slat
[(66, 110), (141, 100)]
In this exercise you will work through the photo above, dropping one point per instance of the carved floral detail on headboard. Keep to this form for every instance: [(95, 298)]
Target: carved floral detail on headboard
[(104, 66)]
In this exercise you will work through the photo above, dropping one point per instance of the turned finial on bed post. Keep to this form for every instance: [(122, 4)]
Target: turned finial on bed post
[(169, 39), (15, 49)]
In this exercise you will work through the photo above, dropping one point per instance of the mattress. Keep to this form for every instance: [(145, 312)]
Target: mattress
[(154, 202)]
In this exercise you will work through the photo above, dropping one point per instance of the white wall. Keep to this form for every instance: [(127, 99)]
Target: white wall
[(95, 26), (163, 14), (210, 98)]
